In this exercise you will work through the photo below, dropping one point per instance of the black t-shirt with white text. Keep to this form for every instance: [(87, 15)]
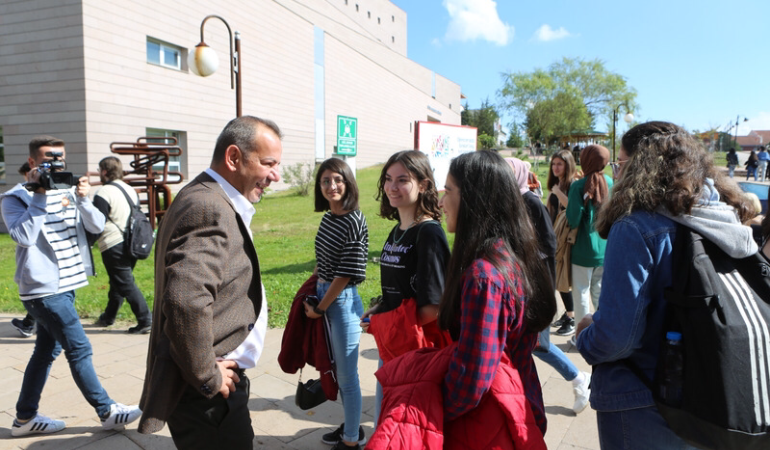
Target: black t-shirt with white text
[(414, 267)]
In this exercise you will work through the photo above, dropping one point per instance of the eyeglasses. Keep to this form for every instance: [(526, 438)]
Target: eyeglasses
[(336, 182)]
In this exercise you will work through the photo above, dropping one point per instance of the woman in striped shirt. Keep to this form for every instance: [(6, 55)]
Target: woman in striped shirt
[(341, 248)]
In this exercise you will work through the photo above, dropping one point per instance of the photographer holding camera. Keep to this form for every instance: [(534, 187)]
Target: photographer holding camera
[(48, 219)]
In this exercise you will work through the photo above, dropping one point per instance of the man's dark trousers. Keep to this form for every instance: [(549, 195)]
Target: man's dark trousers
[(202, 423), (120, 267)]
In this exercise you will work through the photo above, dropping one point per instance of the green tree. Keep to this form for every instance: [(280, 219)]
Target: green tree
[(599, 90), (558, 116), (515, 140), (483, 119), (486, 141)]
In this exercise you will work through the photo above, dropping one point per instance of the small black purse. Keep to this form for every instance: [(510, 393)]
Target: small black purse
[(309, 394)]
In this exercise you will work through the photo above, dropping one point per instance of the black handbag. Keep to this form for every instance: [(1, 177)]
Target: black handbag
[(309, 394)]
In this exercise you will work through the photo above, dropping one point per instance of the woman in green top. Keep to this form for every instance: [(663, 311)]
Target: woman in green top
[(585, 196)]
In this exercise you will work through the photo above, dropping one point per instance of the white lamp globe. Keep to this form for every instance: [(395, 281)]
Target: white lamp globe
[(629, 118), (203, 60)]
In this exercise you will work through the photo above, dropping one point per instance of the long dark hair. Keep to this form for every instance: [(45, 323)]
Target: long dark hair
[(417, 164), (336, 165), (491, 208), (666, 167)]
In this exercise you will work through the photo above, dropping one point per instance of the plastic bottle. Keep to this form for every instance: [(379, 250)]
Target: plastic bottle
[(673, 367)]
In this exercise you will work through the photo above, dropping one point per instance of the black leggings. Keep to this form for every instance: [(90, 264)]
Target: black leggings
[(566, 298)]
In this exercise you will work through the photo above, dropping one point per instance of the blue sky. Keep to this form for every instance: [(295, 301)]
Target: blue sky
[(695, 63)]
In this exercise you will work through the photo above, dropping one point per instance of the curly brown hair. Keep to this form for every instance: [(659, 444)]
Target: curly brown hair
[(666, 167), (418, 165)]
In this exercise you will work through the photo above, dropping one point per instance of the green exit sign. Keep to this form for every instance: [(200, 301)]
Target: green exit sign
[(347, 135)]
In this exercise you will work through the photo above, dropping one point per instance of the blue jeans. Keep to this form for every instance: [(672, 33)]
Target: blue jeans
[(58, 326), (554, 357), (637, 429), (345, 318)]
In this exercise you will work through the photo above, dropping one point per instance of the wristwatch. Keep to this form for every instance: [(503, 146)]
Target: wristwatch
[(320, 312)]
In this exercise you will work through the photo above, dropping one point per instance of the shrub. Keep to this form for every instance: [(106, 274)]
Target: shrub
[(300, 176)]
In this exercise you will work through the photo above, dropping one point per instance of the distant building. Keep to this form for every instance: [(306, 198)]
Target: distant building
[(754, 140), (96, 71)]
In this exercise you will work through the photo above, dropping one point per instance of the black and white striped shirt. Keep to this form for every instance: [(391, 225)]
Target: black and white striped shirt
[(60, 230), (342, 246)]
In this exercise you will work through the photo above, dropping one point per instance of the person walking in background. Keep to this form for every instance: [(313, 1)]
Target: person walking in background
[(585, 197), (341, 250), (210, 315), (25, 326), (111, 200), (561, 174), (751, 165), (640, 224), (762, 158), (53, 260), (732, 161), (413, 260), (541, 222)]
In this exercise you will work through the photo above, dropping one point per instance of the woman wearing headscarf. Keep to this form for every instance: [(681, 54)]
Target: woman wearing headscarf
[(546, 238), (585, 197)]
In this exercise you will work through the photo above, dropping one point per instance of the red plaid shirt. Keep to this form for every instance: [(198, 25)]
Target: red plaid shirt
[(490, 325)]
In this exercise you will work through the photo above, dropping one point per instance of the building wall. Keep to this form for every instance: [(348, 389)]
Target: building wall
[(84, 66)]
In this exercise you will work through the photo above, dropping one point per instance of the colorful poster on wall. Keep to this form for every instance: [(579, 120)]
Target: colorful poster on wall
[(443, 142)]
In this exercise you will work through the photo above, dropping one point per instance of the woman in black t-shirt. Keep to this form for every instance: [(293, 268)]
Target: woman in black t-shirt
[(414, 257)]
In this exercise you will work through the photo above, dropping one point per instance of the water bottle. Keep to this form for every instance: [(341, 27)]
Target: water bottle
[(670, 388)]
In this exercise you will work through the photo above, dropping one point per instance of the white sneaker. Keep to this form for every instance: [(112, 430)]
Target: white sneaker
[(120, 416), (582, 392), (573, 341), (39, 424)]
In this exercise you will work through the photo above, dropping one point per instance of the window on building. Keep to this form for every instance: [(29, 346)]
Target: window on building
[(175, 163), (164, 54), (392, 18), (356, 7), (393, 39), (378, 21), (346, 2), (369, 14)]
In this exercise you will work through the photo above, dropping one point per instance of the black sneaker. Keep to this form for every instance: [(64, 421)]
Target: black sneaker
[(567, 329), (140, 329), (103, 322), (25, 331), (341, 446), (335, 437), (564, 317)]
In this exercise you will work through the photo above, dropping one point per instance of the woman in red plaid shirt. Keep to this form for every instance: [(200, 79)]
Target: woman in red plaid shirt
[(498, 292)]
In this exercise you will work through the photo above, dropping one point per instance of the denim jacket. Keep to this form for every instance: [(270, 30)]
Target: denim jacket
[(629, 321), (37, 270)]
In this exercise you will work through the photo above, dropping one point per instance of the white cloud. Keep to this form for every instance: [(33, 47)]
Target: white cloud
[(545, 33), (476, 19), (760, 122), (436, 42)]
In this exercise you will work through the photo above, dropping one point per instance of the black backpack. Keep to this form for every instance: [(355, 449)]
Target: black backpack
[(721, 307), (138, 235)]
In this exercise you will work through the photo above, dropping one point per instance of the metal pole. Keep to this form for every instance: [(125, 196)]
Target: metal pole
[(237, 65), (737, 118)]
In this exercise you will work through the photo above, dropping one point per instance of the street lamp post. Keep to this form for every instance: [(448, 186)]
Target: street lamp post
[(628, 118), (737, 121), (203, 61)]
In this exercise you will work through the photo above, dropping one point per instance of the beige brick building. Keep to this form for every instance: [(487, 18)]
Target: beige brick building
[(97, 71)]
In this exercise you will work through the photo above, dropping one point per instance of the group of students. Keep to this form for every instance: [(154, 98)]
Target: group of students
[(756, 164), (477, 314)]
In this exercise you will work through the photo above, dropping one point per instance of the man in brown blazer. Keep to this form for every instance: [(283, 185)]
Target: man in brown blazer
[(209, 317)]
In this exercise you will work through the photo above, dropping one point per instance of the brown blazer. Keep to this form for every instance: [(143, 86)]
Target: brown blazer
[(207, 297)]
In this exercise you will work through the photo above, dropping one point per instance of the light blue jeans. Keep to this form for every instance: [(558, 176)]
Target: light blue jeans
[(58, 326), (554, 357), (345, 318), (586, 287), (637, 429)]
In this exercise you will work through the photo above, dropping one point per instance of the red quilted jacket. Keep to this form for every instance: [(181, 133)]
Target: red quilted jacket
[(397, 332), (413, 413)]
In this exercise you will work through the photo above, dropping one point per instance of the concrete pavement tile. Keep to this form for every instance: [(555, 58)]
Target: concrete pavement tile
[(70, 438), (113, 442), (267, 442), (11, 376), (157, 441), (583, 431), (269, 386), (124, 388), (116, 368), (8, 399)]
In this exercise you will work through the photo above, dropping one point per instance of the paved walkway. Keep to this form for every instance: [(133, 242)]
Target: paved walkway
[(278, 424)]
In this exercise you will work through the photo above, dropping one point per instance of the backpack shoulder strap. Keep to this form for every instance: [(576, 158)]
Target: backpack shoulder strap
[(130, 204)]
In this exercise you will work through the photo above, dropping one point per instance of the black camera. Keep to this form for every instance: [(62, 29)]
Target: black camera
[(52, 175)]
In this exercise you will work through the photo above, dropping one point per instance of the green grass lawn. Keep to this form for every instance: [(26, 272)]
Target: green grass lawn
[(284, 233)]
